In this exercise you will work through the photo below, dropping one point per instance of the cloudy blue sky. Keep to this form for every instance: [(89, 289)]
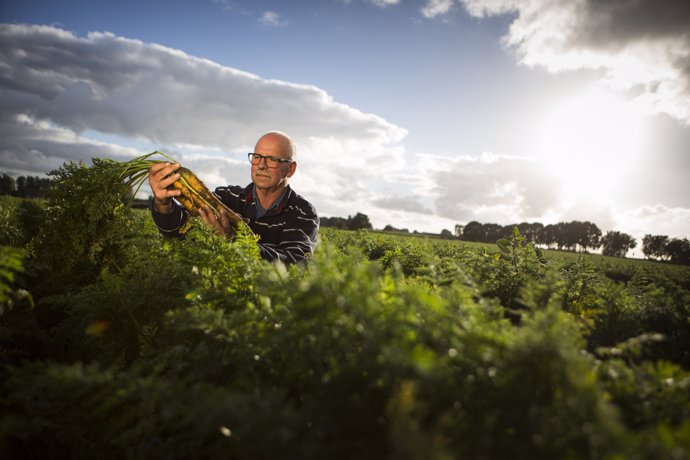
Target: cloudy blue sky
[(421, 114)]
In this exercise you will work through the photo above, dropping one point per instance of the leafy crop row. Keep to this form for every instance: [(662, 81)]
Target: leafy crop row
[(128, 345)]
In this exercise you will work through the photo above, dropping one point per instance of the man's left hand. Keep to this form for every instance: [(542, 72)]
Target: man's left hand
[(220, 224)]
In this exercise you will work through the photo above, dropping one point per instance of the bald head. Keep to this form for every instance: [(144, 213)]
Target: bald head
[(283, 142)]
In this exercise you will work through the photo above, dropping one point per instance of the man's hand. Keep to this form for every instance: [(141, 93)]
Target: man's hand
[(161, 175), (221, 224)]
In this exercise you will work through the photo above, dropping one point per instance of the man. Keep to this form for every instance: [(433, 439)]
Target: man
[(286, 223)]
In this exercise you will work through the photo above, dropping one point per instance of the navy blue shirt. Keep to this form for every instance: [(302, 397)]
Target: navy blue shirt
[(287, 230), (260, 211)]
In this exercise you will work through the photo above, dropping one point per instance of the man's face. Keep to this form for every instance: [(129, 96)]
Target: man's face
[(265, 177)]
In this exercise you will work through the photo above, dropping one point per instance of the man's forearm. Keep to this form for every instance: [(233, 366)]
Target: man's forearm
[(169, 223), (163, 207)]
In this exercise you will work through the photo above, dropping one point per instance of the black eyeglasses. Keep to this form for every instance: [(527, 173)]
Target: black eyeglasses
[(271, 162)]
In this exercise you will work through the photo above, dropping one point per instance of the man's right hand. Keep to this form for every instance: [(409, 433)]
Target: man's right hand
[(161, 175)]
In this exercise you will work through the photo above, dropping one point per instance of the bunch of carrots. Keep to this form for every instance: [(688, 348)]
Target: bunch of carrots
[(194, 194)]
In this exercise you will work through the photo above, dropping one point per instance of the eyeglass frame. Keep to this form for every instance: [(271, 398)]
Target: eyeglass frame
[(267, 159)]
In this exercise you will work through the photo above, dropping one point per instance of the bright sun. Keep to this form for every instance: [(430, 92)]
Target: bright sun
[(589, 140)]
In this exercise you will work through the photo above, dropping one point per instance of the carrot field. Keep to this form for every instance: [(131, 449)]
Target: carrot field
[(118, 343)]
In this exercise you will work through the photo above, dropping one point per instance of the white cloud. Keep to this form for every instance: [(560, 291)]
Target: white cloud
[(436, 8), (589, 207), (655, 220), (272, 19), (409, 203), (62, 95), (132, 89), (493, 188), (384, 3), (226, 4), (29, 147), (642, 45)]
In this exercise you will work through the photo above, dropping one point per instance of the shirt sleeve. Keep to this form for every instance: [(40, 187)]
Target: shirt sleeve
[(169, 224)]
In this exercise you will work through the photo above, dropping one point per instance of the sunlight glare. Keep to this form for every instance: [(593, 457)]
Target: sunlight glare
[(588, 141)]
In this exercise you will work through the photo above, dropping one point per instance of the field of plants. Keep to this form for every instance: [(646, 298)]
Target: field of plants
[(117, 343)]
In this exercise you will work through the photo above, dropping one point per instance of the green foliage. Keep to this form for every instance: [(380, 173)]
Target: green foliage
[(83, 216), (381, 346), (30, 216), (11, 264), (20, 220), (653, 398), (504, 273), (10, 229), (580, 285), (411, 259)]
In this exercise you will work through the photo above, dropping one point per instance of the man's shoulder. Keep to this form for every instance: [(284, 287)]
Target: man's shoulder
[(299, 203)]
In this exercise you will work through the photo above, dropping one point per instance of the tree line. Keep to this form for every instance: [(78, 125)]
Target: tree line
[(661, 247), (580, 236), (357, 222), (24, 186), (571, 236)]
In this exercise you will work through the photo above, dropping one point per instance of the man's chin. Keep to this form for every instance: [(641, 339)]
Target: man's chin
[(262, 184)]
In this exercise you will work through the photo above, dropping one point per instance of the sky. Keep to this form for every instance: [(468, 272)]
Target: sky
[(421, 114)]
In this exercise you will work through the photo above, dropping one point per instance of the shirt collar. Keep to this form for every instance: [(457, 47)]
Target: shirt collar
[(278, 205)]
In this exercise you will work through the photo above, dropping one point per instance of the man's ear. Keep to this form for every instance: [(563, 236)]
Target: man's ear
[(293, 168)]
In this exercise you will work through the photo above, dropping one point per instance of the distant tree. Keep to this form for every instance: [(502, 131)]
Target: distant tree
[(530, 231), (590, 237), (458, 230), (473, 231), (32, 187), (493, 233), (21, 185), (549, 236), (507, 231), (359, 222), (577, 234), (446, 234), (562, 236), (564, 240), (654, 246), (617, 244), (7, 185), (334, 222), (678, 251), (390, 228)]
